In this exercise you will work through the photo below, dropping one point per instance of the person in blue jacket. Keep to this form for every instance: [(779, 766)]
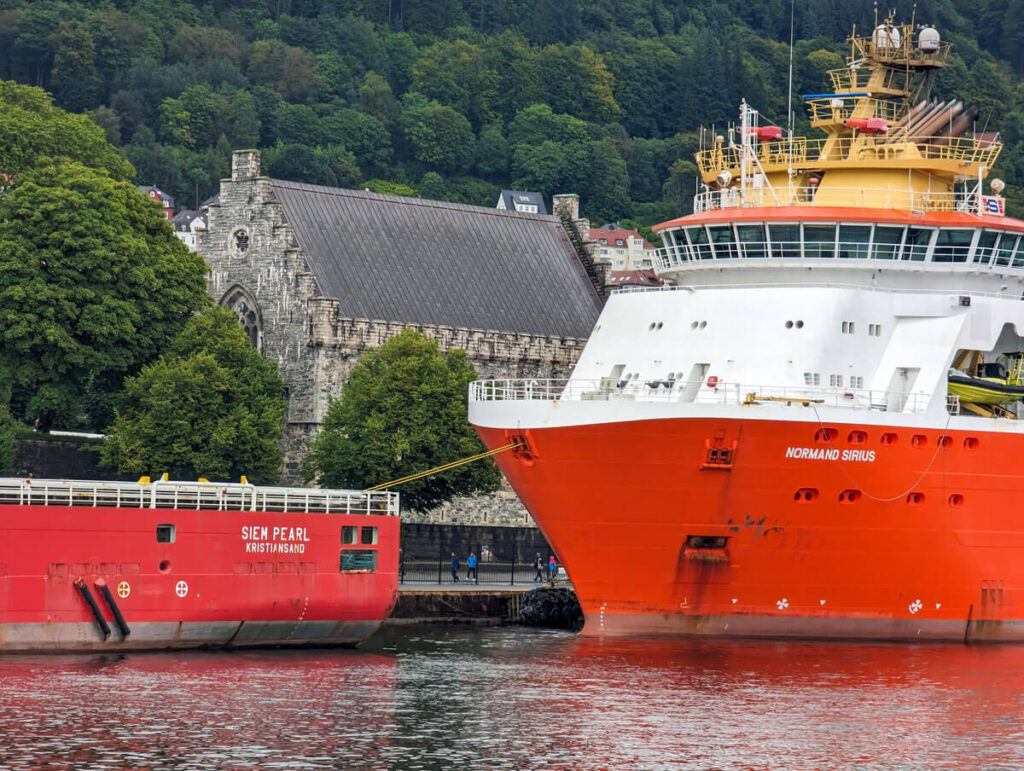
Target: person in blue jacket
[(455, 568), (471, 567)]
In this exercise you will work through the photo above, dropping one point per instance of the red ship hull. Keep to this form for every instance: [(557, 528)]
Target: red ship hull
[(729, 527), (228, 579)]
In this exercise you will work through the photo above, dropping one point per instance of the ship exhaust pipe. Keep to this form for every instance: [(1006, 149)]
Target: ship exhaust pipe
[(112, 604), (91, 602)]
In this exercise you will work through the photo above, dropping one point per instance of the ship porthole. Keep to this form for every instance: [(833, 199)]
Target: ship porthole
[(956, 500), (165, 566)]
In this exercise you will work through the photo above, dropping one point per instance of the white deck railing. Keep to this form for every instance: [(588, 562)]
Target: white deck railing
[(872, 198), (680, 391), (194, 495)]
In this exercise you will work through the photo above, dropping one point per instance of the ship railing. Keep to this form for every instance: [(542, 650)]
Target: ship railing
[(867, 197), (872, 150), (831, 110), (711, 391), (195, 495)]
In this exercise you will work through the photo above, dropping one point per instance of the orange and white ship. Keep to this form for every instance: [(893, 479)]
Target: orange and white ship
[(807, 432)]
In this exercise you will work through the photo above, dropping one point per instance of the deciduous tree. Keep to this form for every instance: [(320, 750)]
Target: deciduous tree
[(403, 410), (211, 407), (93, 284)]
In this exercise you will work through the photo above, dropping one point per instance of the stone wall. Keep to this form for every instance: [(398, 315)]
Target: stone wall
[(435, 542), (256, 266)]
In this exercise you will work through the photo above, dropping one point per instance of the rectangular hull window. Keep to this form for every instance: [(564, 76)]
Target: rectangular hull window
[(358, 561)]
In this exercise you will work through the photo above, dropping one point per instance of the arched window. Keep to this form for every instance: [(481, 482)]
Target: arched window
[(245, 307)]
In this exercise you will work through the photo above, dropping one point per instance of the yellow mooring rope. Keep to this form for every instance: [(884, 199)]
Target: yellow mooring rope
[(445, 467)]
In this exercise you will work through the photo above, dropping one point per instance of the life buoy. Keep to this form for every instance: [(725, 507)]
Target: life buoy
[(713, 381)]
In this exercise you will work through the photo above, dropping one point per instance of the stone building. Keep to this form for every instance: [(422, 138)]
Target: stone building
[(318, 275)]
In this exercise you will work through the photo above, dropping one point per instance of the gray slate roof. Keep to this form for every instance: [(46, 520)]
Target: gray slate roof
[(405, 259)]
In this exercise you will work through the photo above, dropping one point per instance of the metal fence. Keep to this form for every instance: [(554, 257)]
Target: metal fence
[(489, 572)]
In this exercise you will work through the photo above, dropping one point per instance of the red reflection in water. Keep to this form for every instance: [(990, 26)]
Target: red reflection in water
[(192, 710), (511, 698)]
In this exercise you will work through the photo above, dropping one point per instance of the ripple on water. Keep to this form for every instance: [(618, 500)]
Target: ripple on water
[(509, 698)]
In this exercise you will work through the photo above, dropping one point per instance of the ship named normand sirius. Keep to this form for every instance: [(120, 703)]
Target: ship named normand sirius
[(812, 431)]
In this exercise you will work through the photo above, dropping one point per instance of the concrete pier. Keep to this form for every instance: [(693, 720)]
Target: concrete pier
[(467, 604)]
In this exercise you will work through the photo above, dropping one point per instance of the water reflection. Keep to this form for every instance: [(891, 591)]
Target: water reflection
[(442, 698)]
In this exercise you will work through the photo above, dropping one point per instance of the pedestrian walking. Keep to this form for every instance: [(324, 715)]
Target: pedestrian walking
[(552, 567), (455, 568), (471, 566), (538, 565), (401, 566)]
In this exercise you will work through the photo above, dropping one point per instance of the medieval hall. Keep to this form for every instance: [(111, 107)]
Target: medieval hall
[(318, 275)]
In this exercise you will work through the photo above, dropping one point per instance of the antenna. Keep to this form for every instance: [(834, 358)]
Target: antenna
[(789, 106)]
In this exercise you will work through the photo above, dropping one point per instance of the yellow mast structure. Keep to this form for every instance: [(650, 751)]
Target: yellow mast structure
[(886, 144)]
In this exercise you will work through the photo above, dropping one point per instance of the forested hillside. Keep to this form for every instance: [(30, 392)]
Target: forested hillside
[(455, 99)]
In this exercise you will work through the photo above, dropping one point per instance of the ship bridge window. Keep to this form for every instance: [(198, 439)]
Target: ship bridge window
[(819, 240), (1018, 257), (854, 241), (785, 240), (752, 240), (952, 245), (678, 242), (724, 241), (986, 246), (700, 249), (1004, 249), (916, 246), (887, 243)]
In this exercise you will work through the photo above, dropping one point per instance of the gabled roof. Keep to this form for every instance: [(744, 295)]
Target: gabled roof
[(157, 195), (415, 261), (509, 198), (634, 278), (613, 232), (184, 219)]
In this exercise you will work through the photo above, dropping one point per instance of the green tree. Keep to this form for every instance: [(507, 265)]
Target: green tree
[(8, 429), (190, 120), (432, 186), (364, 135), (74, 79), (492, 152), (439, 136), (32, 131), (93, 284), (211, 407), (403, 410), (455, 73)]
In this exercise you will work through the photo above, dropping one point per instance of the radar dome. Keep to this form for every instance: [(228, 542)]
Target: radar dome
[(886, 38), (928, 40)]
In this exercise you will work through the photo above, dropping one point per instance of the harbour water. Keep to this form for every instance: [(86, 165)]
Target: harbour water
[(516, 698)]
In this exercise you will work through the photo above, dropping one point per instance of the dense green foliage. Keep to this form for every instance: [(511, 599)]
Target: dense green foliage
[(8, 428), (457, 98), (93, 282), (403, 411), (211, 406)]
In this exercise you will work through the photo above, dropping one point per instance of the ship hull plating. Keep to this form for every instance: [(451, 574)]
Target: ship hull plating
[(786, 529), (224, 579)]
